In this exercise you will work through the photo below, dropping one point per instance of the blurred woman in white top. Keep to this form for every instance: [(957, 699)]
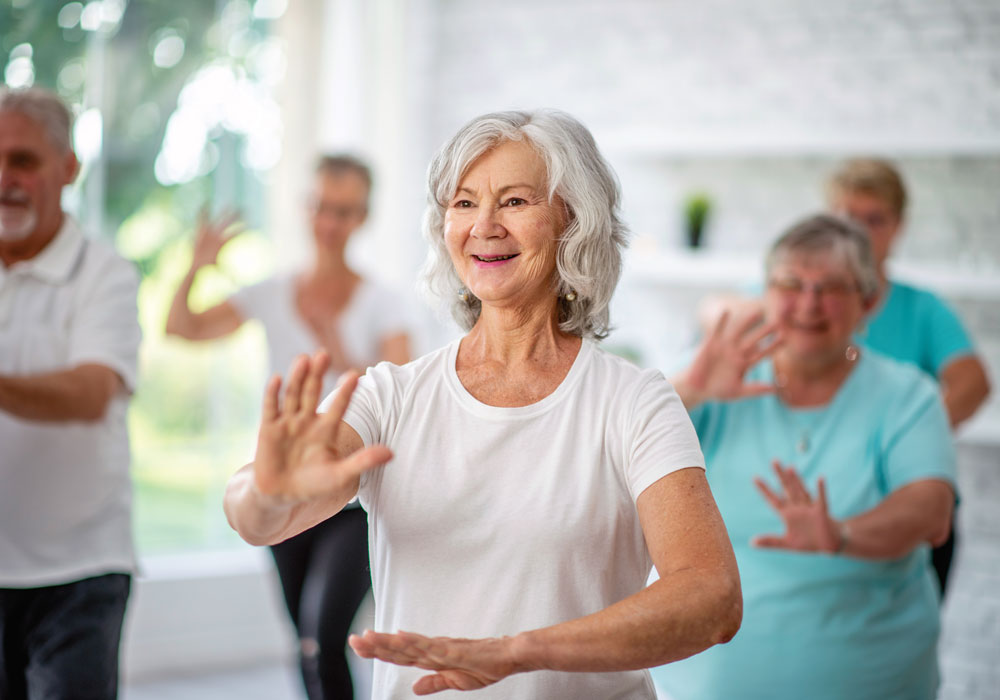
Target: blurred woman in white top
[(324, 571), (520, 482)]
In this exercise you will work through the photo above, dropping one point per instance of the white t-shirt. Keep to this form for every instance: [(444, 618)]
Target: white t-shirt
[(490, 521), (373, 313), (65, 494)]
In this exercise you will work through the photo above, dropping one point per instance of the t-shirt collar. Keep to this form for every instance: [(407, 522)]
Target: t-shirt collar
[(56, 260)]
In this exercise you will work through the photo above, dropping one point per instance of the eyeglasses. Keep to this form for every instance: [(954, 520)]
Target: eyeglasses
[(827, 289), (339, 211)]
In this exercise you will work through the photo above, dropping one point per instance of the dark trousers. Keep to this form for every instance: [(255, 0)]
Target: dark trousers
[(941, 559), (61, 642), (324, 575)]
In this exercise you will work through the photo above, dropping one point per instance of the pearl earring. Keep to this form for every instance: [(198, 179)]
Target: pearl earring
[(851, 353), (463, 294), (571, 296)]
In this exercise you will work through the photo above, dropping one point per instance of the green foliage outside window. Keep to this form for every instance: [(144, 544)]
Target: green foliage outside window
[(173, 115)]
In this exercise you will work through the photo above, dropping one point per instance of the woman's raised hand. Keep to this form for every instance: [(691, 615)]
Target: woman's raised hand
[(725, 356), (808, 525), (460, 664), (303, 455), (212, 235)]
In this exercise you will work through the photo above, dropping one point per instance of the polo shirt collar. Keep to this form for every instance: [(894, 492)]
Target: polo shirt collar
[(56, 261)]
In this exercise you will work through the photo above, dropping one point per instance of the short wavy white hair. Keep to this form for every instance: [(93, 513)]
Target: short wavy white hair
[(829, 236), (589, 254), (43, 107)]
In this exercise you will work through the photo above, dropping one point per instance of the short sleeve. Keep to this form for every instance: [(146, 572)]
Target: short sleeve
[(661, 437), (250, 301), (916, 438), (393, 312), (946, 336), (105, 326), (368, 410)]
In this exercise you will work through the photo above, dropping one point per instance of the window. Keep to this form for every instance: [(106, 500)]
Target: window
[(174, 112)]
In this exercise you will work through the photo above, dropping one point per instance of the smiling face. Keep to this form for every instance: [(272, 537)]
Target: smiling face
[(502, 231), (33, 172), (875, 215), (816, 302), (338, 207)]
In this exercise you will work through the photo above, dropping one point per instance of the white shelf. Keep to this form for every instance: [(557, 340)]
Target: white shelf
[(711, 270), (743, 143)]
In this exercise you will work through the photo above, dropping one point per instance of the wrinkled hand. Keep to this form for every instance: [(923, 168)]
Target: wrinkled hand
[(212, 236), (725, 356), (460, 664), (808, 525), (298, 457)]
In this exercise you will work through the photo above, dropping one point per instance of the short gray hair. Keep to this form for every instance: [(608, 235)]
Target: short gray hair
[(589, 254), (830, 235), (43, 107)]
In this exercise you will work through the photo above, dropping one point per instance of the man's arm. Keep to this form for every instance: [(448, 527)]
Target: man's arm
[(81, 393), (964, 387)]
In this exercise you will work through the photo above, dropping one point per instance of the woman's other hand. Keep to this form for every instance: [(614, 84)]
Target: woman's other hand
[(212, 235), (460, 664), (723, 359), (300, 453), (808, 525)]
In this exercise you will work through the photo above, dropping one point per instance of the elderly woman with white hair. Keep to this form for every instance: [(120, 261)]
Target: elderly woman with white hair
[(840, 602), (520, 482)]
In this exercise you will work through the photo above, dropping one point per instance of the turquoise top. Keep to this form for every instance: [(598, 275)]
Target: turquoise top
[(815, 625), (915, 325)]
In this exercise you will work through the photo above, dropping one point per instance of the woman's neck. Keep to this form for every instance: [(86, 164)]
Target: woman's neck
[(329, 266), (812, 381), (515, 336)]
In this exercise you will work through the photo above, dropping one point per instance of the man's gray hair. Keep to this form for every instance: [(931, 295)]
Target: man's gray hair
[(43, 107), (829, 235), (589, 254)]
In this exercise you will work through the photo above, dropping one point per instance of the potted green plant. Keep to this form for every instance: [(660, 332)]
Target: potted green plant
[(697, 207)]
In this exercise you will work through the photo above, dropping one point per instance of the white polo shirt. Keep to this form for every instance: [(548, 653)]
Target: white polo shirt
[(65, 493)]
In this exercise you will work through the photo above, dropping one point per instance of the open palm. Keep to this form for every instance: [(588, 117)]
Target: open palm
[(727, 354), (212, 235), (304, 455), (808, 525), (460, 664)]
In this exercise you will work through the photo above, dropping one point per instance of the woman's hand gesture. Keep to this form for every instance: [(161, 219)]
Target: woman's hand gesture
[(808, 525), (460, 664), (212, 235), (303, 455), (723, 359)]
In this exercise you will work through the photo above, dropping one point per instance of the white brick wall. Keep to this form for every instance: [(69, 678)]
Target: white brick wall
[(754, 101)]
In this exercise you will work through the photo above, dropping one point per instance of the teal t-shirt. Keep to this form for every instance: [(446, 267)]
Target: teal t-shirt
[(821, 626), (914, 325)]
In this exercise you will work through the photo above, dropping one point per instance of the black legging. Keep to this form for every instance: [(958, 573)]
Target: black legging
[(324, 575), (941, 559)]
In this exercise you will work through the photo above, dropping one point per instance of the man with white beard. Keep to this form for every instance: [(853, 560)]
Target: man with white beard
[(69, 339)]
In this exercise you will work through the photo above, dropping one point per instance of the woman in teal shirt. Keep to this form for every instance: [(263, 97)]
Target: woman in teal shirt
[(839, 600)]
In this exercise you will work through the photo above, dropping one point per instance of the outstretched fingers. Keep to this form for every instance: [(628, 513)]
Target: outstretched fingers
[(341, 397), (776, 501), (270, 407), (312, 387), (293, 388), (770, 542)]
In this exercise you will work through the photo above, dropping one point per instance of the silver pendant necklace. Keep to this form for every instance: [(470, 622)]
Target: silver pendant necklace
[(803, 443)]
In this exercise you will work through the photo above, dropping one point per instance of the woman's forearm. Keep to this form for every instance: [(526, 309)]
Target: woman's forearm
[(254, 518), (180, 319), (676, 617), (918, 513)]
